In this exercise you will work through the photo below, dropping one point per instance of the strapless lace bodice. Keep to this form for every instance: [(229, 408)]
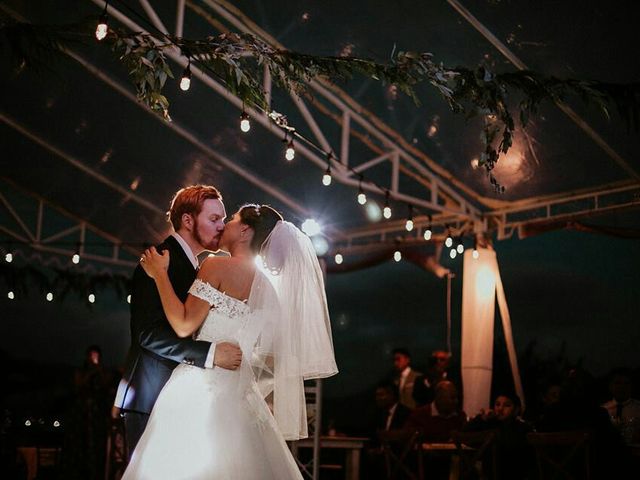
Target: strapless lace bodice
[(227, 317)]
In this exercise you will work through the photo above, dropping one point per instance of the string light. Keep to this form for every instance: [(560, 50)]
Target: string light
[(91, 298), (185, 81), (460, 247), (338, 258), (102, 27), (386, 211), (428, 232), (8, 257), (311, 227), (49, 297), (362, 198), (397, 256), (475, 254), (409, 224), (448, 241), (128, 298), (290, 153), (326, 178), (11, 295), (245, 124), (453, 253)]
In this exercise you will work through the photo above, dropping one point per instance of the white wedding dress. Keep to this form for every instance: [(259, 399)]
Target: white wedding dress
[(214, 424)]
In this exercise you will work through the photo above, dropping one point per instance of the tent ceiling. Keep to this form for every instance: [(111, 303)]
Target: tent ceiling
[(74, 139)]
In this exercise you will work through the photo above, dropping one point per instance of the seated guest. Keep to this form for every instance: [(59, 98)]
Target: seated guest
[(437, 371), (624, 411), (404, 376), (514, 455), (578, 410), (438, 419), (390, 413)]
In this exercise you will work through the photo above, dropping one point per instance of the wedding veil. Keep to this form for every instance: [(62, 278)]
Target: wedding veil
[(289, 305)]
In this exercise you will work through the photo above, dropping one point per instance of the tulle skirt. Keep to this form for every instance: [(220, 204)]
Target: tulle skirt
[(208, 424)]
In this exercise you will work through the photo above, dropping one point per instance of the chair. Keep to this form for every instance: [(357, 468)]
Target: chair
[(48, 461), (478, 454), (397, 448), (563, 455)]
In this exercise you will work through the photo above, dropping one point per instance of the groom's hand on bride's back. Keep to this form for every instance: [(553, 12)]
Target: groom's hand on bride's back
[(227, 355)]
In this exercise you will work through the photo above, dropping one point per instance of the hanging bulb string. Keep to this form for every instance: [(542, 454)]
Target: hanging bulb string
[(204, 67), (301, 139)]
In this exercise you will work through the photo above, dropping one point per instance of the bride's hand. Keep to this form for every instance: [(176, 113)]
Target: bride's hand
[(154, 263)]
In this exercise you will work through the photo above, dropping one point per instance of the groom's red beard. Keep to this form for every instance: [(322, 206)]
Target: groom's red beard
[(212, 244)]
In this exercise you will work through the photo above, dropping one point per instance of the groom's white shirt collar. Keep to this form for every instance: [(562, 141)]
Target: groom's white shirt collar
[(192, 258)]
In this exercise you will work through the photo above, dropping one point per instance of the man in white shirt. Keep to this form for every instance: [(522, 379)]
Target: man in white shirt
[(405, 376)]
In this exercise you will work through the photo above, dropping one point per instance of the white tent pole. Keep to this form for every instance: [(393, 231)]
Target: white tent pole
[(508, 336)]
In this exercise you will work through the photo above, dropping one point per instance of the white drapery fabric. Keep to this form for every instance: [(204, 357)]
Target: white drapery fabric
[(480, 283)]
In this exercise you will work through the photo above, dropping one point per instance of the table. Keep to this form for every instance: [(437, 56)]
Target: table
[(351, 445), (447, 448)]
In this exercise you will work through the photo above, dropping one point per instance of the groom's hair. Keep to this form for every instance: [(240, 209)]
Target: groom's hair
[(262, 219), (190, 200)]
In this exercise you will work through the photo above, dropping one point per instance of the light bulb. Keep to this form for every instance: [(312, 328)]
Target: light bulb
[(453, 253), (185, 81), (11, 295), (128, 298), (409, 225), (101, 29), (311, 227), (56, 423), (448, 242), (49, 297), (245, 125), (8, 257), (386, 212), (76, 258), (326, 179), (475, 253), (460, 248), (338, 258), (291, 152), (362, 198), (91, 298), (397, 256), (427, 234)]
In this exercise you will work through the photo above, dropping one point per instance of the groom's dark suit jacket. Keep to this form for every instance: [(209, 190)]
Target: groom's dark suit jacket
[(155, 348)]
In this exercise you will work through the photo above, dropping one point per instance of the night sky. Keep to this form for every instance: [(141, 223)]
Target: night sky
[(562, 287)]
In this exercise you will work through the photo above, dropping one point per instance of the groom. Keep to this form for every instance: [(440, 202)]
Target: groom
[(197, 215)]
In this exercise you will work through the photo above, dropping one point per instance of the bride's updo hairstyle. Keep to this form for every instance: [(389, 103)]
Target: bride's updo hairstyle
[(262, 219)]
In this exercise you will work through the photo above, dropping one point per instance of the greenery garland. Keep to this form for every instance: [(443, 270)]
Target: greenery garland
[(237, 60)]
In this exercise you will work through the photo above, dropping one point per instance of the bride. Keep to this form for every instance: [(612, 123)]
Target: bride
[(217, 424)]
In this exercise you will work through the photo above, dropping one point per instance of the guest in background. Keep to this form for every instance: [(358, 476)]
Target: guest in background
[(514, 455), (577, 409), (437, 371), (84, 448), (390, 413), (624, 411), (437, 420), (404, 376), (550, 397)]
